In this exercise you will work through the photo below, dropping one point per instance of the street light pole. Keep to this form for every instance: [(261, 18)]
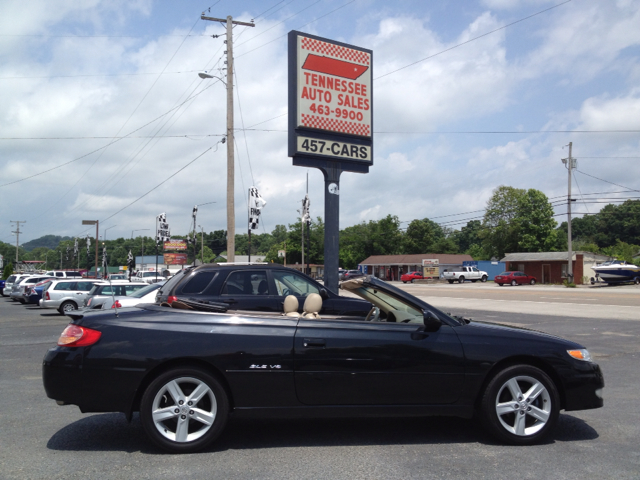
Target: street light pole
[(201, 244)]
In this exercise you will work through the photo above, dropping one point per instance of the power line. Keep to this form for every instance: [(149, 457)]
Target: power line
[(472, 39), (104, 146), (607, 181)]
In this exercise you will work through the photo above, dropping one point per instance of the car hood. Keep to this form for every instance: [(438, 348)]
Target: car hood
[(516, 332)]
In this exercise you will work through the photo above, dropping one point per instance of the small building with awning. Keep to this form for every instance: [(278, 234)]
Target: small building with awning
[(391, 267), (551, 267)]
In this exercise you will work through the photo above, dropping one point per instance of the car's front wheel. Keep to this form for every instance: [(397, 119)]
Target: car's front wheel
[(532, 282), (484, 278), (183, 410), (520, 405), (513, 283)]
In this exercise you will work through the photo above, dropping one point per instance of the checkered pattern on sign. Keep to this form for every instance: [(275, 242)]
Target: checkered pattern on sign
[(324, 123), (335, 51)]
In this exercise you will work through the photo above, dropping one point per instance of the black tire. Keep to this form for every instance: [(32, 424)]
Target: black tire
[(513, 283), (67, 306), (461, 279), (404, 281), (484, 278), (636, 280), (212, 405), (528, 401), (22, 301), (412, 280), (450, 281), (532, 282)]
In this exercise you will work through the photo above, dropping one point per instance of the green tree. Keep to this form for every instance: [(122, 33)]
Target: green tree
[(8, 271), (468, 235), (499, 227), (382, 237), (535, 223), (424, 236)]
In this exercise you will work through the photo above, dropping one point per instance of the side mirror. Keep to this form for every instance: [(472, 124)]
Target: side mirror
[(431, 322), (324, 294)]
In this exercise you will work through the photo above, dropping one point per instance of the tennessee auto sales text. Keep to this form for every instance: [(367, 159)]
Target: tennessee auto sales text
[(356, 91)]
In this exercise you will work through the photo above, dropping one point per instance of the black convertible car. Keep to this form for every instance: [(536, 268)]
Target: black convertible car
[(186, 370)]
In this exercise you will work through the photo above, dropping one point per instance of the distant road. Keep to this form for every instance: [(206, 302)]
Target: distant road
[(606, 302)]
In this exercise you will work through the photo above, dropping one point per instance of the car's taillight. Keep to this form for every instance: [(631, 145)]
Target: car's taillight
[(89, 302), (77, 336), (47, 296), (117, 304), (171, 299)]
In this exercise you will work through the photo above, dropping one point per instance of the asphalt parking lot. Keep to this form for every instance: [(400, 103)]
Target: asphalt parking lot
[(43, 440)]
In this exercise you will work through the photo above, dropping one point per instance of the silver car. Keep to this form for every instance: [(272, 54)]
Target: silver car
[(147, 294), (11, 281), (104, 290), (20, 290), (65, 295)]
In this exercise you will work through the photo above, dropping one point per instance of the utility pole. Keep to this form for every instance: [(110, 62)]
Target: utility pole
[(231, 220), (17, 232), (570, 163)]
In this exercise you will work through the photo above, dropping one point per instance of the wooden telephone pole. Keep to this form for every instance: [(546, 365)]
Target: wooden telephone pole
[(231, 220)]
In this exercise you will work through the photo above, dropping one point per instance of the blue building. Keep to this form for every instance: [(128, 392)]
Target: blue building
[(492, 268)]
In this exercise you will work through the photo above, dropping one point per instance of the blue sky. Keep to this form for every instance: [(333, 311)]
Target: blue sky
[(75, 76)]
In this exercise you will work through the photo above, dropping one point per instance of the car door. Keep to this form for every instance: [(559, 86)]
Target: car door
[(376, 363)]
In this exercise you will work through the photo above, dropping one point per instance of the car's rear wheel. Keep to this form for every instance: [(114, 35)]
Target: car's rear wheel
[(501, 284), (532, 282), (520, 405), (184, 410), (513, 283), (461, 280), (68, 306)]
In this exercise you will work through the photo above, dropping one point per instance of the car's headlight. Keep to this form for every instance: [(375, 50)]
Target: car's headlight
[(582, 354)]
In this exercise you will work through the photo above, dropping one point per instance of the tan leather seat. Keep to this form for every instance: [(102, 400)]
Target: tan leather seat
[(312, 306), (291, 306)]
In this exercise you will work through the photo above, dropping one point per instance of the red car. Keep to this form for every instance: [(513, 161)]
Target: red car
[(411, 276), (514, 278)]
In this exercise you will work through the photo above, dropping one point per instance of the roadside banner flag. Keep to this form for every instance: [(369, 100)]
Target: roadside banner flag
[(256, 202), (75, 247), (306, 217), (88, 245), (104, 260), (163, 234)]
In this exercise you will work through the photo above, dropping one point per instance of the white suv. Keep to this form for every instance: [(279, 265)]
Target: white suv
[(63, 274), (65, 295)]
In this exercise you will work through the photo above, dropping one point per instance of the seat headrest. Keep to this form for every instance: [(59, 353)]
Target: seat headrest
[(312, 305), (291, 306)]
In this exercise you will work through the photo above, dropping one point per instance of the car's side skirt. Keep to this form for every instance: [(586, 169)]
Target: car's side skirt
[(344, 411)]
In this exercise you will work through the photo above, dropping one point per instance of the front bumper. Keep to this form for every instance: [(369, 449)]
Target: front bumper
[(584, 388)]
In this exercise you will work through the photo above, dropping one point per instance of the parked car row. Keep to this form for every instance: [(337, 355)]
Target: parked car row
[(64, 293)]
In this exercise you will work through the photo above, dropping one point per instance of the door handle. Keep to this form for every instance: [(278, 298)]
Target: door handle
[(230, 301), (313, 342)]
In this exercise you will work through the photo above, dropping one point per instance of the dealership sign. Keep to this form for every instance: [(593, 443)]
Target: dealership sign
[(175, 259), (175, 245), (330, 102)]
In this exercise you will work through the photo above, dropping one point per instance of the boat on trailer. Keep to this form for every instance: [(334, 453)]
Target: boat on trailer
[(617, 272)]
